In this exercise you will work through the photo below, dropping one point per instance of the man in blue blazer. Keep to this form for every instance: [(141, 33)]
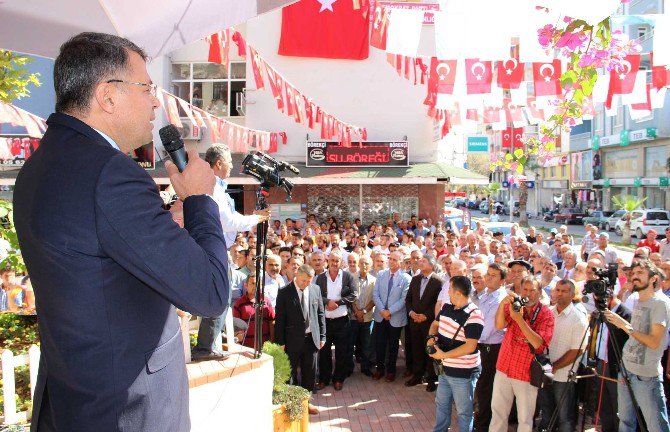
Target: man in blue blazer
[(108, 264), (390, 314)]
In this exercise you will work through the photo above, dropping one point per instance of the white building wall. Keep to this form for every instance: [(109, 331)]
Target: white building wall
[(367, 93)]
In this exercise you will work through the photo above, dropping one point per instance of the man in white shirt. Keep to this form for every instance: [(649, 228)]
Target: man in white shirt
[(273, 279), (566, 345), (338, 290)]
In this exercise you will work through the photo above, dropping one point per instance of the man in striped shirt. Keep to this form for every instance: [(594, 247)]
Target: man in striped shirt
[(454, 335)]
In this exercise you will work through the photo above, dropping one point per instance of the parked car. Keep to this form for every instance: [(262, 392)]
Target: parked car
[(598, 218), (570, 215), (611, 221), (484, 206), (503, 227), (456, 223), (641, 221)]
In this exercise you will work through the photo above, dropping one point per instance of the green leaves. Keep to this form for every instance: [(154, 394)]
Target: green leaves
[(14, 77)]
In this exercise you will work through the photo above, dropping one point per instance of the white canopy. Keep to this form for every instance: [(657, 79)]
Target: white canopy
[(39, 27)]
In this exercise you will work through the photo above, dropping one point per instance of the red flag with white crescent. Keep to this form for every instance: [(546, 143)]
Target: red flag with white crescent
[(644, 106), (535, 114), (491, 115), (507, 137), (660, 74), (214, 55), (513, 112), (256, 68), (622, 77), (379, 27), (478, 76), (442, 75), (510, 73), (546, 77)]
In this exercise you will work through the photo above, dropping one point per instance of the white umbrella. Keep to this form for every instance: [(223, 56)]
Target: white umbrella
[(39, 27)]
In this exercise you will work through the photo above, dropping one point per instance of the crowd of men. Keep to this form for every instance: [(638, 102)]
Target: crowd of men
[(340, 294)]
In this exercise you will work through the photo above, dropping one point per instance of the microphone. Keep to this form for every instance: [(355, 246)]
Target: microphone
[(174, 145)]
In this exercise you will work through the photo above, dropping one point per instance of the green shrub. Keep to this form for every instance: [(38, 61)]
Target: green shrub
[(18, 332), (289, 396)]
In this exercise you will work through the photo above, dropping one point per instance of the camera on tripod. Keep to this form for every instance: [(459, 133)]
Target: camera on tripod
[(268, 170), (603, 287)]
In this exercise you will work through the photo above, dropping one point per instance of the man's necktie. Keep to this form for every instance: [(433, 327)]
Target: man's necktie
[(388, 292)]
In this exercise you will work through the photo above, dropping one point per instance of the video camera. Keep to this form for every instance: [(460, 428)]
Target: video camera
[(267, 170), (518, 303), (603, 287)]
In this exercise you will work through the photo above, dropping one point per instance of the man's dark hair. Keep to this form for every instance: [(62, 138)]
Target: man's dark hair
[(461, 284), (6, 269), (501, 269), (649, 266), (285, 249), (86, 60)]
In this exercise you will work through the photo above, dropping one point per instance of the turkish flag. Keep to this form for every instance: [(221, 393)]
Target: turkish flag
[(535, 114), (510, 73), (324, 29), (622, 78), (644, 106), (546, 77), (256, 68), (478, 76), (380, 27), (507, 137), (513, 112), (219, 47), (660, 75), (442, 75)]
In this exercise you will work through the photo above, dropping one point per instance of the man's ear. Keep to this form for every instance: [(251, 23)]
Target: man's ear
[(104, 97)]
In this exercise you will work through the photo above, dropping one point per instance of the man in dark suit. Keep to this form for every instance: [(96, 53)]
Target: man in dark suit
[(338, 291), (421, 298), (108, 264), (300, 327)]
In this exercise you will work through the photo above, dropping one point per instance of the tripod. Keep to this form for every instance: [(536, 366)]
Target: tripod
[(597, 321), (260, 258)]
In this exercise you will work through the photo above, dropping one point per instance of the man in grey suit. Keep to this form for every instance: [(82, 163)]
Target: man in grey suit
[(390, 315), (300, 326)]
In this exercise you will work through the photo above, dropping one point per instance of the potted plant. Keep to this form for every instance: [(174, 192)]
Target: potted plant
[(290, 414)]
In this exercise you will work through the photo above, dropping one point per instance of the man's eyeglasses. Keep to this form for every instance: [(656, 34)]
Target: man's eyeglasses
[(151, 87)]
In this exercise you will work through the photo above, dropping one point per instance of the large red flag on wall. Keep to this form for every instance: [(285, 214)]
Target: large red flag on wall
[(325, 29)]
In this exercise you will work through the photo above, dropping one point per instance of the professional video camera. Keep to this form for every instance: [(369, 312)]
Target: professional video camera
[(603, 287), (267, 170)]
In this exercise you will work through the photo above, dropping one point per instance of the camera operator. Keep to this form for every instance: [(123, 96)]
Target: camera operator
[(530, 324), (648, 337), (607, 364), (564, 348), (453, 338)]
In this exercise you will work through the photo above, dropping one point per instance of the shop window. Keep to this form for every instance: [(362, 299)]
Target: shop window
[(381, 208), (552, 172), (210, 86)]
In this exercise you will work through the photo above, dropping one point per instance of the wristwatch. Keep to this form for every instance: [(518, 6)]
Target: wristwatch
[(433, 337)]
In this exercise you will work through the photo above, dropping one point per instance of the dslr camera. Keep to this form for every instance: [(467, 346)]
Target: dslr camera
[(602, 287), (519, 302), (268, 170)]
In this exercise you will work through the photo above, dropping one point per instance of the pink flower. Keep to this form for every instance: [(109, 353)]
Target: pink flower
[(572, 41), (545, 35)]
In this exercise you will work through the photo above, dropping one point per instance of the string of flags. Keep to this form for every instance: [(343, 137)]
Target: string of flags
[(239, 138), (288, 98)]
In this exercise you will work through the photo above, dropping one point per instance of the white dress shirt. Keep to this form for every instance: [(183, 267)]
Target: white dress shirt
[(335, 293), (232, 222)]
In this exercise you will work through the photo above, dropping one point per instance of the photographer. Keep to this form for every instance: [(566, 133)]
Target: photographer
[(564, 348), (648, 337), (457, 350), (531, 324)]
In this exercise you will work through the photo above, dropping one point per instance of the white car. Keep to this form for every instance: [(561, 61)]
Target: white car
[(611, 221), (503, 227), (641, 221)]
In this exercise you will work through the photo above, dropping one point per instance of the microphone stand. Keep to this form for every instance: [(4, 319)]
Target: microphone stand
[(261, 257)]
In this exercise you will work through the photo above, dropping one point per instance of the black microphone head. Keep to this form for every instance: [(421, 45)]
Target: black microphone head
[(171, 138)]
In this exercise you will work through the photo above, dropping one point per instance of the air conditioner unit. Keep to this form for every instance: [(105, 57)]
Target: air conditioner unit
[(189, 130)]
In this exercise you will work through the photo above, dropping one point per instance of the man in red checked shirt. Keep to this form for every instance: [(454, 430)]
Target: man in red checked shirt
[(533, 324), (650, 242)]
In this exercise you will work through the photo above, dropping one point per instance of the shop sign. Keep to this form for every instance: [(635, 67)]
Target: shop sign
[(15, 149), (554, 184), (663, 181), (367, 154), (624, 138), (505, 184), (428, 8), (581, 185), (637, 182), (606, 183), (478, 144)]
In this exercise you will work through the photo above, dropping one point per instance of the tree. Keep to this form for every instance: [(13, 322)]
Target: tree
[(490, 190), (7, 232), (14, 77), (523, 200), (628, 203)]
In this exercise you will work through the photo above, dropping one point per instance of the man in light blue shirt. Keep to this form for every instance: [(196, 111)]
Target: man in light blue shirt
[(489, 343)]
